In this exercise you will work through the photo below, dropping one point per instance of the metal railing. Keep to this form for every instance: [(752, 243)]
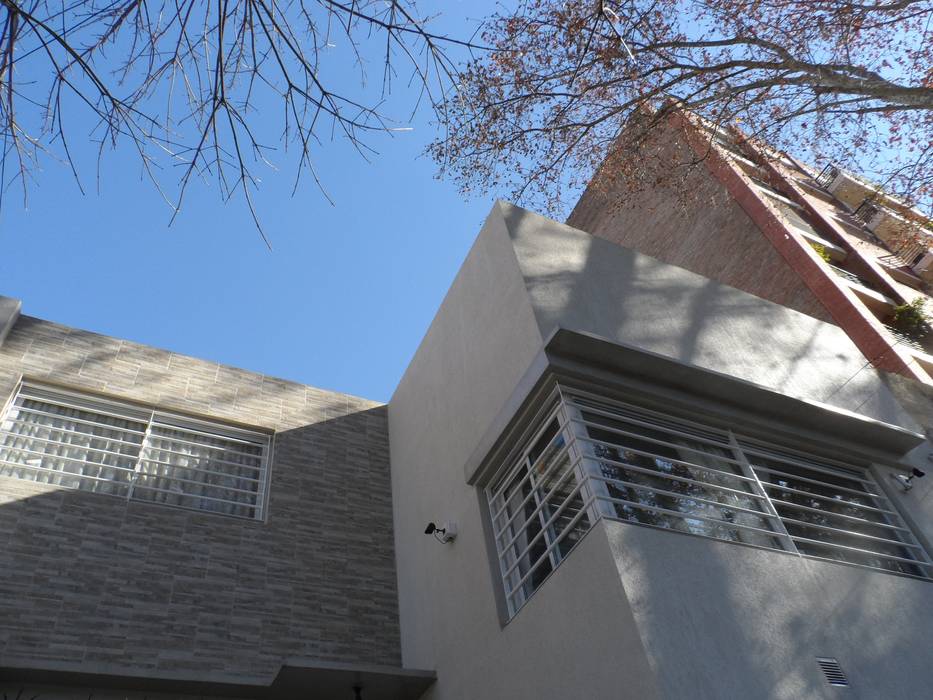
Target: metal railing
[(826, 176), (906, 340), (592, 458), (852, 277), (866, 211), (75, 441), (897, 260)]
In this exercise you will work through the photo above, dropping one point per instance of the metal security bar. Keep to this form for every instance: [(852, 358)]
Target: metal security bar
[(57, 438), (829, 173), (192, 465), (866, 211), (590, 458), (672, 474), (539, 509), (77, 441), (853, 278), (832, 510)]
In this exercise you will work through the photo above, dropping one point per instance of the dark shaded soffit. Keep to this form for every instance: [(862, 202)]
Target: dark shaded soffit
[(296, 680)]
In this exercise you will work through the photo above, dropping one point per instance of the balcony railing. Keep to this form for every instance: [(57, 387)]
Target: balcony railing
[(866, 211), (826, 176), (908, 256), (853, 278), (906, 340)]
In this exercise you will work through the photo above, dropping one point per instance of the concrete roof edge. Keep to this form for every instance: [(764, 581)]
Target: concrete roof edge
[(10, 309), (760, 400)]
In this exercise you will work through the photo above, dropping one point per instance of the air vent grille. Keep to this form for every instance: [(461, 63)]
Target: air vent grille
[(832, 671)]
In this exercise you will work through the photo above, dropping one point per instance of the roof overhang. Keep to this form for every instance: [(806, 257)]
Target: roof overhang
[(297, 679), (747, 403), (659, 381)]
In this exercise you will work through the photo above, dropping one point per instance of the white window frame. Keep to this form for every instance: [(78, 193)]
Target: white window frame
[(778, 523), (152, 469)]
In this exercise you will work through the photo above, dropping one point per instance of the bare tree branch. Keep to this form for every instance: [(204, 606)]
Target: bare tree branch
[(187, 83), (851, 81)]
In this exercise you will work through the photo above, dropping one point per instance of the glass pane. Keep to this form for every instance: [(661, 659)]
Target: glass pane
[(874, 558), (49, 443), (538, 514), (546, 438), (562, 507), (830, 498), (656, 467), (522, 531)]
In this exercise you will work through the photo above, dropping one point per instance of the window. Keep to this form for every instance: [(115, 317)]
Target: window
[(834, 512), (593, 458), (671, 476), (538, 513), (91, 444)]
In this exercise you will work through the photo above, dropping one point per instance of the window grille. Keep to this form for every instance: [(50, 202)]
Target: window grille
[(827, 175), (539, 511), (593, 458), (77, 441), (866, 211)]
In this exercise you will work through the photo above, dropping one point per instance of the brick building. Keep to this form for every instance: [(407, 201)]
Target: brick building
[(824, 242)]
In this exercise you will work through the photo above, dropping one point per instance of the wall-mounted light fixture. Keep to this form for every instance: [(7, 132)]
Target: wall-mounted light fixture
[(445, 534), (906, 480)]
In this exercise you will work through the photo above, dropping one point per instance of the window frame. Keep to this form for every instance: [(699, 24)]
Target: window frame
[(150, 416), (741, 446), (509, 562)]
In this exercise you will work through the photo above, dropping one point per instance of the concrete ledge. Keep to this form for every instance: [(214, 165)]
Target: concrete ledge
[(651, 378), (297, 679), (9, 313), (744, 402)]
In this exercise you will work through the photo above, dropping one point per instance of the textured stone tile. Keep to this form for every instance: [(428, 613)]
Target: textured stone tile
[(98, 580)]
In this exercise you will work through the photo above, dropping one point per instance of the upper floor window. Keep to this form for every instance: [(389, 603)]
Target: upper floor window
[(78, 441), (593, 458)]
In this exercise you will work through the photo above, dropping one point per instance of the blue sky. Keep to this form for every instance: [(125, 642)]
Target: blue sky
[(341, 302)]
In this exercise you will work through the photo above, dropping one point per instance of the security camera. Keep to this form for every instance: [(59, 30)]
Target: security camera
[(906, 480), (445, 534)]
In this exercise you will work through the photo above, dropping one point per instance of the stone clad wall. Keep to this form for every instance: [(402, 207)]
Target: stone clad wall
[(91, 582)]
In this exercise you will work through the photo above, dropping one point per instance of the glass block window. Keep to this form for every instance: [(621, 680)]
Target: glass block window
[(82, 442), (593, 458)]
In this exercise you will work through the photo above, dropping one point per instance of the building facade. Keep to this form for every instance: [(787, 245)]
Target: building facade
[(644, 482), (584, 413), (226, 573), (824, 242)]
